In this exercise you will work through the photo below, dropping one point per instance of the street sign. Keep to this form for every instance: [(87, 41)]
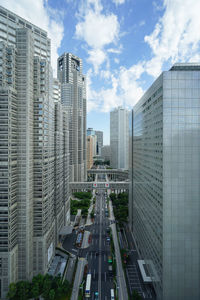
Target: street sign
[(107, 185), (94, 185)]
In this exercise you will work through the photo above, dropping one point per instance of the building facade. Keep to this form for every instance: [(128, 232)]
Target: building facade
[(119, 138), (73, 97), (27, 154), (105, 152), (90, 160), (91, 132), (165, 187), (61, 165), (99, 135)]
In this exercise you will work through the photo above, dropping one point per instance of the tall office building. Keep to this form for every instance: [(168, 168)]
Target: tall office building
[(73, 96), (61, 165), (165, 183), (105, 153), (90, 148), (27, 223), (99, 135), (91, 133), (119, 138)]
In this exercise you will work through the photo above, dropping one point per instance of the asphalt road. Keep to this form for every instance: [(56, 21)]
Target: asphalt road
[(98, 251)]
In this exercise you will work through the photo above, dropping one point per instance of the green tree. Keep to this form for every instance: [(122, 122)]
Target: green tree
[(46, 286), (136, 296), (52, 294), (12, 291), (23, 290)]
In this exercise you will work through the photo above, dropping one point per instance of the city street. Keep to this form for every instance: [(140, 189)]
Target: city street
[(98, 251)]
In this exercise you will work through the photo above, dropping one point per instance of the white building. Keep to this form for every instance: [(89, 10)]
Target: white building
[(119, 138), (27, 157)]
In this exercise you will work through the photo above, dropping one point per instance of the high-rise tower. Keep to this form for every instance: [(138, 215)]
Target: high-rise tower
[(73, 96), (165, 182), (27, 223), (119, 138)]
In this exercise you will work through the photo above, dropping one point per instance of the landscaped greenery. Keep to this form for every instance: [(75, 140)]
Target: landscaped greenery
[(46, 286), (82, 204), (79, 204), (83, 195), (120, 206)]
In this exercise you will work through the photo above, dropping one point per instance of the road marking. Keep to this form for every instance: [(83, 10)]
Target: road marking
[(94, 273), (75, 250), (105, 276)]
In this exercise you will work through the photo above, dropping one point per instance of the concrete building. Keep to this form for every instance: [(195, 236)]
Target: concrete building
[(99, 135), (165, 186), (61, 165), (27, 223), (90, 147), (91, 132), (119, 138), (73, 97), (105, 152)]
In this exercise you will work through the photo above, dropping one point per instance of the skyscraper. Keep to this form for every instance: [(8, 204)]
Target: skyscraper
[(61, 165), (99, 135), (90, 148), (165, 186), (119, 138), (27, 225), (73, 96)]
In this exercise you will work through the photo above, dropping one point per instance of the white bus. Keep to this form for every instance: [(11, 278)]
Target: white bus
[(112, 294), (88, 286)]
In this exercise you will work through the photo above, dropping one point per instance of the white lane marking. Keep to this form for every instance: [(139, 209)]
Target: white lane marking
[(105, 276), (94, 273)]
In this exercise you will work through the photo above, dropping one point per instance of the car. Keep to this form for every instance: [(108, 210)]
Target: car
[(96, 296)]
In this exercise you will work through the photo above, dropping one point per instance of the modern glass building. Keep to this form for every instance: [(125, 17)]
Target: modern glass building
[(165, 184), (119, 138)]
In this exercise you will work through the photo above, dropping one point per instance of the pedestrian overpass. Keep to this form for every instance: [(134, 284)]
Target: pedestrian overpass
[(112, 174), (120, 186)]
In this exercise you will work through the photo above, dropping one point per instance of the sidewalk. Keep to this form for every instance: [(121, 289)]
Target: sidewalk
[(85, 243), (78, 278), (89, 220), (121, 282)]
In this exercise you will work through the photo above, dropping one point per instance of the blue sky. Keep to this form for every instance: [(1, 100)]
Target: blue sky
[(124, 44)]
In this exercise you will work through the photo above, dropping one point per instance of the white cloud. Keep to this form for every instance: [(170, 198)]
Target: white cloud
[(40, 14), (142, 23), (125, 89), (117, 2), (113, 50), (176, 36), (96, 58), (97, 30)]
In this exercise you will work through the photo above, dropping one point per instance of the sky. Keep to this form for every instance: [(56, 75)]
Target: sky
[(124, 44)]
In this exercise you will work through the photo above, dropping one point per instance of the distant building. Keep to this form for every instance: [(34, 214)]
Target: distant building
[(91, 132), (99, 135), (119, 138), (90, 148), (164, 190), (73, 96), (105, 153)]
